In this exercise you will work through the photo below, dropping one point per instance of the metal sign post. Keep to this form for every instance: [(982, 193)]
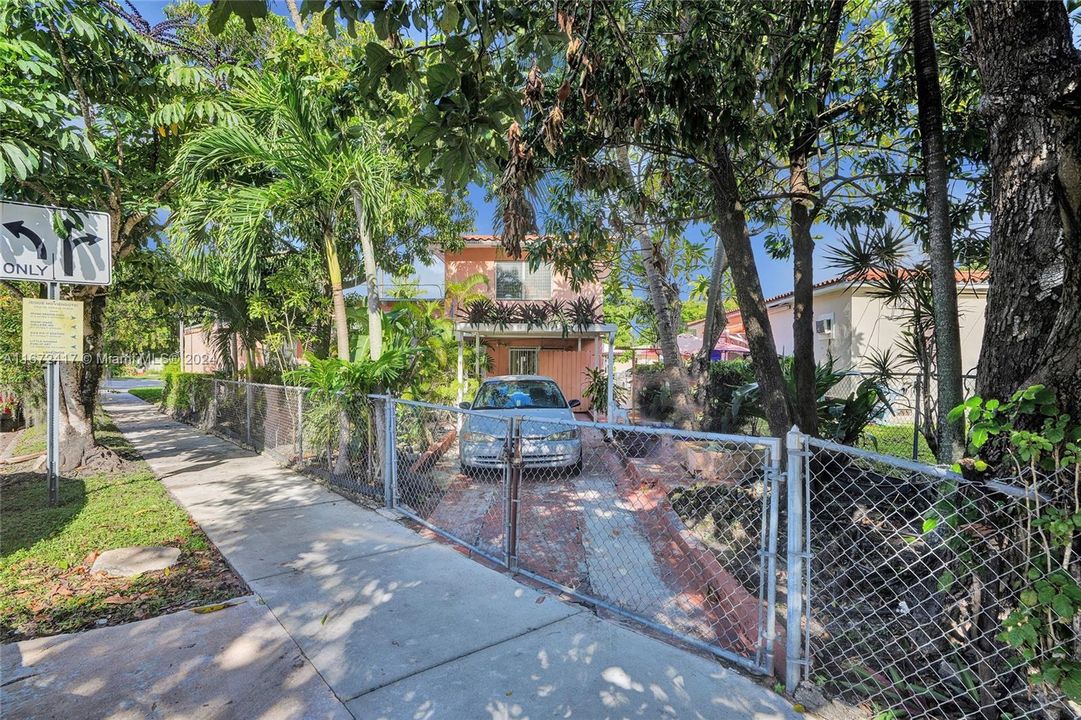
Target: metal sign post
[(39, 243), (52, 423)]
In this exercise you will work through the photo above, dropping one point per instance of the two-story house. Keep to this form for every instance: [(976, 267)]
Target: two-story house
[(534, 322)]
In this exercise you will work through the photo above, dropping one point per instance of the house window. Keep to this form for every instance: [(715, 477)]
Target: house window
[(824, 325), (515, 281), (524, 361)]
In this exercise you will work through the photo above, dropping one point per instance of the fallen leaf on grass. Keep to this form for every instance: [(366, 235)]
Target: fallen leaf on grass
[(90, 558), (117, 600)]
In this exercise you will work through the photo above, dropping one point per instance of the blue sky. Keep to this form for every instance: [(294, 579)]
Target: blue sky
[(776, 275)]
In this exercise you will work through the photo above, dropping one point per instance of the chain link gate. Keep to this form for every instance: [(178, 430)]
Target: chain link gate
[(675, 530)]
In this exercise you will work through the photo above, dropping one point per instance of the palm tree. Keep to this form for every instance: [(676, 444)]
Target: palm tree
[(227, 320), (459, 294), (281, 171)]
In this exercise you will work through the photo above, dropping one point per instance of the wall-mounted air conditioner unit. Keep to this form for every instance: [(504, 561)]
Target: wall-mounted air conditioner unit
[(824, 326)]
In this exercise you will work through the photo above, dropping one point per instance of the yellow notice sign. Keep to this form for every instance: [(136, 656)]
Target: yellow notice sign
[(52, 330)]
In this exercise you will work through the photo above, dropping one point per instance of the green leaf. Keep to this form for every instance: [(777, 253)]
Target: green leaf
[(1062, 606), (442, 79), (929, 524), (1071, 684), (377, 58), (449, 22)]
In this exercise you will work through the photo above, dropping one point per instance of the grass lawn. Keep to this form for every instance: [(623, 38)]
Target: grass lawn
[(150, 394), (30, 440), (45, 553), (896, 440)]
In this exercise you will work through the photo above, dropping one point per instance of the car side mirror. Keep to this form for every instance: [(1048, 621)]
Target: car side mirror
[(465, 405), (574, 403)]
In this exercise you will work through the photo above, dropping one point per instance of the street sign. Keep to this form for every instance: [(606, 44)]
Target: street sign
[(48, 244), (52, 330)]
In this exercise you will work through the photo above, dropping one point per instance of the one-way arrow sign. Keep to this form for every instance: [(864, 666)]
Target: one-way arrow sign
[(32, 249)]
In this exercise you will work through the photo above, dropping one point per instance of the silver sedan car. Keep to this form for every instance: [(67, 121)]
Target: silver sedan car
[(549, 437)]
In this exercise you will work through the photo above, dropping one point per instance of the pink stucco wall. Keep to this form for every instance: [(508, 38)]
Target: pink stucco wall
[(460, 265), (559, 359)]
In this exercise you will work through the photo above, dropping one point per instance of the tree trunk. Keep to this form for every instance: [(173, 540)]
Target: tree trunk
[(951, 436), (716, 318), (294, 14), (249, 362), (1030, 79), (375, 315), (732, 223), (804, 207), (667, 329), (803, 336), (79, 386), (334, 274)]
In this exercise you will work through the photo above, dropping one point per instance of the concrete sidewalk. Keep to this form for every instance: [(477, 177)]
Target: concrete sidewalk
[(401, 627)]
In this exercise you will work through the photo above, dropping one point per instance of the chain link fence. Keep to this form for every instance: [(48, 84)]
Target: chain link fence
[(894, 587), (460, 495), (912, 578), (327, 435)]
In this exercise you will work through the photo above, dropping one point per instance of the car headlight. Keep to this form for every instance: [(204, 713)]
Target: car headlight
[(564, 435), (479, 437)]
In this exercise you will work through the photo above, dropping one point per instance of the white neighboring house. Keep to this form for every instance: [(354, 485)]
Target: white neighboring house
[(852, 325)]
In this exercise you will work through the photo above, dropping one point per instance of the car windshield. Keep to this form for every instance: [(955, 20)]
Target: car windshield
[(513, 394)]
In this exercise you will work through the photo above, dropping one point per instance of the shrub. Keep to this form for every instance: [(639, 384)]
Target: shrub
[(185, 395), (1032, 442), (726, 410), (655, 392), (265, 375), (840, 419), (596, 390)]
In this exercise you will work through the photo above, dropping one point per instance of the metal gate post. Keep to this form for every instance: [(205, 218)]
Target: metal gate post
[(211, 418), (773, 475), (247, 412), (300, 426), (793, 631), (390, 455), (514, 481)]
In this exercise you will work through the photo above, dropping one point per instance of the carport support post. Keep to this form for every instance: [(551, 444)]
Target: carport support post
[(794, 588), (476, 356), (461, 368)]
